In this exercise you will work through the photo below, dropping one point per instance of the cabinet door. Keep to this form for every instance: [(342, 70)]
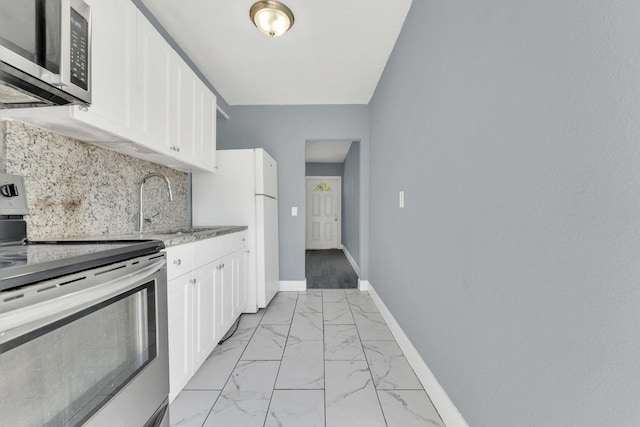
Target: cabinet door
[(226, 293), (183, 90), (199, 120), (113, 66), (180, 333), (207, 153), (204, 332), (152, 85)]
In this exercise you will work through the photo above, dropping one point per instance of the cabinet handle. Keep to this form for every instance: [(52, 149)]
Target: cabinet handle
[(192, 281), (222, 266), (177, 261), (174, 148)]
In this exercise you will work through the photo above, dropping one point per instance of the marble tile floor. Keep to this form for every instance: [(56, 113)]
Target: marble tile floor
[(321, 358)]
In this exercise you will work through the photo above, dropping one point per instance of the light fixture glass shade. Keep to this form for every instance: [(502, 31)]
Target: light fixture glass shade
[(271, 17)]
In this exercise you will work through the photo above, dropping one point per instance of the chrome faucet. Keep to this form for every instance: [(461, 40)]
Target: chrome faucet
[(145, 179)]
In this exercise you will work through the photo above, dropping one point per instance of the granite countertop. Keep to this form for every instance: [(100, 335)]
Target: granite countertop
[(174, 237), (177, 236)]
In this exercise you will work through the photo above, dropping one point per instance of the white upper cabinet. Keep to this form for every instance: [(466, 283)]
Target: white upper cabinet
[(206, 150), (184, 100), (192, 121), (146, 101), (113, 65), (153, 84)]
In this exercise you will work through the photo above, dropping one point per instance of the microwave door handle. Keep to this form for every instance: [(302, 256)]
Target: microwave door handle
[(21, 321), (41, 33), (65, 43)]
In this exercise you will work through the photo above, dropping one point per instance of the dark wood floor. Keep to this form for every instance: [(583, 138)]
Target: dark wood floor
[(329, 269)]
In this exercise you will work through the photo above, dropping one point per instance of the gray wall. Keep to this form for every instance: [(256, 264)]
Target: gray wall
[(324, 169), (282, 131), (514, 128), (351, 202)]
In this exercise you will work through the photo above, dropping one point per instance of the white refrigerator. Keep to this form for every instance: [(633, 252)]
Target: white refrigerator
[(244, 191)]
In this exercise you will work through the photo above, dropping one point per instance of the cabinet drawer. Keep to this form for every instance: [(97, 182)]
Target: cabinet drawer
[(179, 260), (208, 250)]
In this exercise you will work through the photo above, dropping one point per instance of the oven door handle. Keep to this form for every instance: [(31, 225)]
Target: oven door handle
[(23, 320)]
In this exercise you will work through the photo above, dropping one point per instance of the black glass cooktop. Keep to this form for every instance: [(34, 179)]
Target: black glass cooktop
[(31, 262)]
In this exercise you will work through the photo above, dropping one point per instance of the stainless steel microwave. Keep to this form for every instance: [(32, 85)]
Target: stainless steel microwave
[(45, 53)]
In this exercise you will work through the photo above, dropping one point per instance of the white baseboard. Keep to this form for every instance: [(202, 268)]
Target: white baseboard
[(443, 404), (293, 285), (363, 285), (352, 261)]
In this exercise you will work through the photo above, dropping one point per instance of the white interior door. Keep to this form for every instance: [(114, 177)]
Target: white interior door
[(323, 212)]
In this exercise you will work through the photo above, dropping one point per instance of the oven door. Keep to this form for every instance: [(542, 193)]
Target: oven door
[(91, 352)]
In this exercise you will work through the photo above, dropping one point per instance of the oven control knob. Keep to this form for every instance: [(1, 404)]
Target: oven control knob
[(9, 190)]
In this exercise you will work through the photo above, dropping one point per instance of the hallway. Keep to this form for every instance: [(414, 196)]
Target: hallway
[(316, 358), (329, 269)]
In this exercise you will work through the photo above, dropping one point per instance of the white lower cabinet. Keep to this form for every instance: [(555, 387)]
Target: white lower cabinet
[(180, 324), (204, 302), (231, 298), (204, 327)]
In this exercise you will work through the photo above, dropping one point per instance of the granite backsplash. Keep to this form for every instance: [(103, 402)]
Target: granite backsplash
[(78, 189)]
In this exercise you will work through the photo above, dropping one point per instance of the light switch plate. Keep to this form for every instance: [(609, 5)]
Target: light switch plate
[(401, 197), (294, 211)]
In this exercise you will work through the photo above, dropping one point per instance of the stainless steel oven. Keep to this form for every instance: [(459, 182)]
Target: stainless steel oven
[(45, 52), (88, 348), (83, 327)]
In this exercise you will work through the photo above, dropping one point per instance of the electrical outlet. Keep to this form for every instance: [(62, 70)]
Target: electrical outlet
[(401, 199), (294, 211)]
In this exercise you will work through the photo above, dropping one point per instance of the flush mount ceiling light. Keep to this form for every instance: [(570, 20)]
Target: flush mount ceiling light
[(271, 17)]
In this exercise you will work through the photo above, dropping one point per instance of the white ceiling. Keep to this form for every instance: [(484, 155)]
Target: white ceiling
[(334, 53), (326, 151)]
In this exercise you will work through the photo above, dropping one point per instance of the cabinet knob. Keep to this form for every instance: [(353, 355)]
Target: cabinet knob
[(177, 261), (192, 281), (243, 239), (222, 266)]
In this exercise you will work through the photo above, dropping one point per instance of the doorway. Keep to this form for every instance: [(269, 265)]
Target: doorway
[(332, 209), (323, 212)]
